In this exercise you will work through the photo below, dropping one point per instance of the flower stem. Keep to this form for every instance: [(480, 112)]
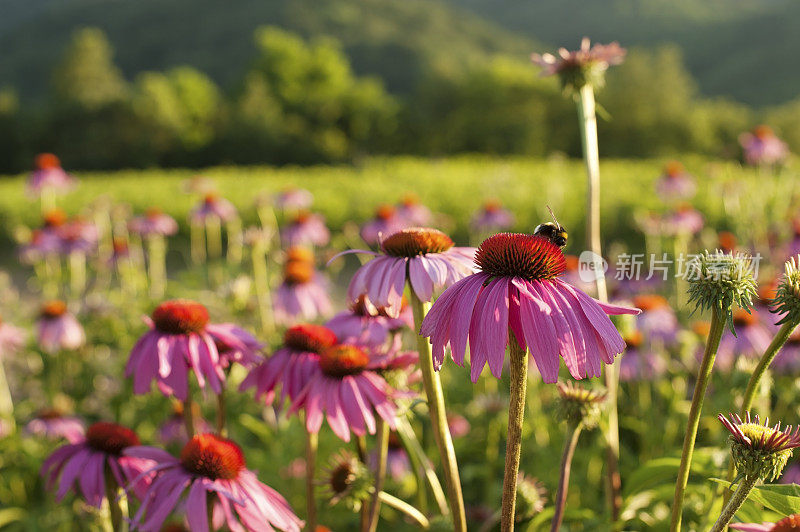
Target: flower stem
[(742, 491), (382, 447), (441, 431), (234, 231), (198, 243), (518, 365), (403, 506), (312, 442), (573, 433), (156, 265), (6, 401), (587, 120), (188, 415), (116, 515), (710, 353), (258, 256), (221, 414), (415, 451)]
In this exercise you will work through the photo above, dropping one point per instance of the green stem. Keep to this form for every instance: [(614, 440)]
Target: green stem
[(188, 415), (156, 265), (742, 491), (573, 433), (417, 467), (518, 366), (258, 256), (198, 243), (587, 120), (116, 515), (234, 232), (402, 506), (438, 415), (382, 447), (312, 442), (6, 401), (77, 273), (221, 414), (214, 238), (710, 353), (414, 449)]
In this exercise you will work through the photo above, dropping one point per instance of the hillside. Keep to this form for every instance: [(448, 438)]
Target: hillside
[(397, 41), (736, 48)]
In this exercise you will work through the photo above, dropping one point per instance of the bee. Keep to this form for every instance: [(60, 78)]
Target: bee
[(552, 231)]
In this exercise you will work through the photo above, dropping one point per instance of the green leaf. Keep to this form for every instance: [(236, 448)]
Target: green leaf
[(782, 498), (10, 515)]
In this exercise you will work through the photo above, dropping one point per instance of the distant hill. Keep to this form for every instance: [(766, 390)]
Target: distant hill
[(746, 49), (396, 40)]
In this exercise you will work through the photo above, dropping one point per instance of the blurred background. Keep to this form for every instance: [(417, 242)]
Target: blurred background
[(112, 84)]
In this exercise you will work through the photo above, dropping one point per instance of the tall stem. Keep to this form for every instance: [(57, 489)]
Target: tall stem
[(441, 431), (573, 433), (403, 506), (6, 401), (710, 353), (382, 447), (414, 448), (742, 491), (188, 415), (312, 442), (116, 514), (518, 365), (77, 273), (587, 120), (221, 414), (156, 265), (198, 243), (258, 256), (234, 231)]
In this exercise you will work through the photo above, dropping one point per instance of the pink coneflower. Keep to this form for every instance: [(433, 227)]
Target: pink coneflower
[(306, 229), (751, 340), (173, 430), (294, 198), (182, 339), (11, 339), (459, 425), (763, 147), (518, 288), (49, 174), (582, 66), (53, 424), (345, 387), (57, 329), (426, 256), (364, 323), (491, 218), (675, 183), (787, 524), (154, 222), (413, 212), (639, 363), (684, 220), (657, 320), (385, 222), (788, 359), (292, 365), (83, 464), (41, 244), (210, 469), (303, 294), (213, 206), (572, 275)]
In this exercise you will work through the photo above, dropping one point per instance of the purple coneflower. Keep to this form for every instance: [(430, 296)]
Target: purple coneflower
[(787, 524), (306, 229), (491, 218), (364, 323), (751, 340), (83, 464), (639, 363), (685, 220), (397, 462), (413, 212), (173, 430), (215, 207), (53, 424), (518, 288), (657, 320), (154, 222), (12, 339), (345, 387), (49, 175), (763, 147), (425, 256), (57, 329), (293, 199), (675, 183), (182, 339), (385, 222), (303, 294), (290, 366), (211, 469), (586, 65)]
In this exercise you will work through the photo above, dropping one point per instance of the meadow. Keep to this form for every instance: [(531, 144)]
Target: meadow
[(89, 381)]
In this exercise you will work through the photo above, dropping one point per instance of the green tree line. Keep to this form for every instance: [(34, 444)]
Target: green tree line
[(300, 102)]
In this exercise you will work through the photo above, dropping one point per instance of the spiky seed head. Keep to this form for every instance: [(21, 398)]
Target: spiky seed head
[(787, 295), (718, 281), (346, 480), (580, 405), (757, 449), (531, 498)]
